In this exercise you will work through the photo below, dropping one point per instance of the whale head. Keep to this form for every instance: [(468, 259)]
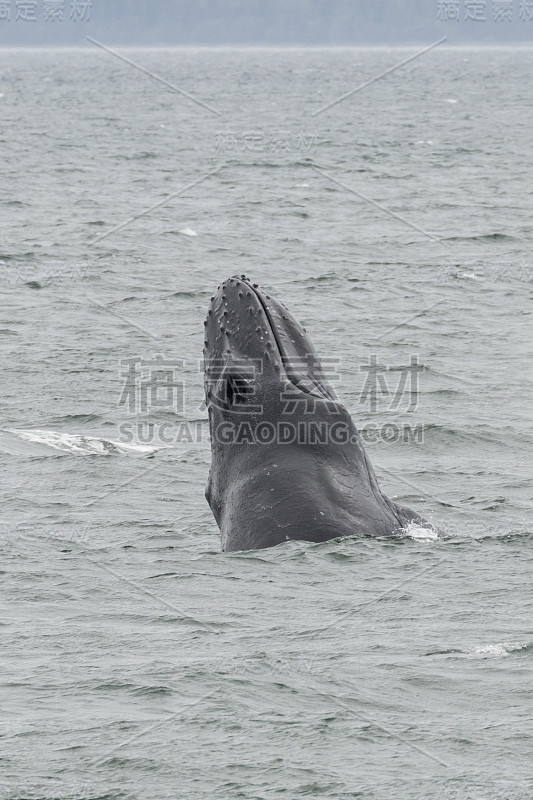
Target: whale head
[(287, 459), (256, 349)]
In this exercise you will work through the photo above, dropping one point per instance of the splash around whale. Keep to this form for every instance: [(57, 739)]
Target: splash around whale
[(287, 460)]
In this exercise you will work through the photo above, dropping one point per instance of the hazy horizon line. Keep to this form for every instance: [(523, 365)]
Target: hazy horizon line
[(476, 45)]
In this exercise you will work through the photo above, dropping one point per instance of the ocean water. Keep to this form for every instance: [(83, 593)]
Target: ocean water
[(137, 660)]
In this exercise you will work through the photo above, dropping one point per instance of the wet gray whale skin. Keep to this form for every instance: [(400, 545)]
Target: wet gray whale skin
[(263, 377)]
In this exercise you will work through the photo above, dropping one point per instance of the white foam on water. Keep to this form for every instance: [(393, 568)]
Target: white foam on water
[(81, 445), (471, 276), (421, 533), (500, 649), (188, 232)]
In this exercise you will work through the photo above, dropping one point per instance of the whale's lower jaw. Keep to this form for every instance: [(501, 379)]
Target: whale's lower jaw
[(286, 502), (265, 531)]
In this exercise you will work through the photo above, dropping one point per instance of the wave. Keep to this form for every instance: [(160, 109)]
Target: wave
[(30, 255), (78, 418), (77, 444), (421, 533), (197, 293), (498, 650), (469, 433), (481, 237)]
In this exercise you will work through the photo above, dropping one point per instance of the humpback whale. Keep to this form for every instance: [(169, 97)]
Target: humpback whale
[(287, 461)]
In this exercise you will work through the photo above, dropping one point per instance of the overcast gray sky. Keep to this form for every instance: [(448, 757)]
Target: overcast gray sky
[(264, 22)]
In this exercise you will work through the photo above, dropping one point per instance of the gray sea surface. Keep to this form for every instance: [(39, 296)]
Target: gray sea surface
[(138, 662)]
